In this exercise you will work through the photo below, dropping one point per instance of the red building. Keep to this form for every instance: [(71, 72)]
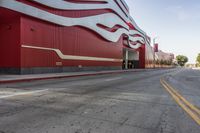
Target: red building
[(40, 36)]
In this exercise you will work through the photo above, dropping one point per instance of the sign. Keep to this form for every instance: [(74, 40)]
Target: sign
[(156, 47)]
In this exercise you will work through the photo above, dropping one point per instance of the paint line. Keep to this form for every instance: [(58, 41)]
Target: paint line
[(22, 93), (189, 108), (112, 79)]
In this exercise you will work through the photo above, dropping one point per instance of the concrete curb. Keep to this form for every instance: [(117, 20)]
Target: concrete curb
[(70, 76), (73, 75)]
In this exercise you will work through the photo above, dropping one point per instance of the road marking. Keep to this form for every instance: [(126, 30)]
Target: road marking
[(22, 93), (189, 108), (112, 79)]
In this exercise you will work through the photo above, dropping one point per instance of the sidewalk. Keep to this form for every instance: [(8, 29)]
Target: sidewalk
[(34, 77)]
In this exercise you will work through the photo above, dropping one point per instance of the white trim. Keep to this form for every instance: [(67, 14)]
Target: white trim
[(73, 57)]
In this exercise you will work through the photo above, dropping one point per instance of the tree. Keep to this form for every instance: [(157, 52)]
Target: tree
[(182, 60), (198, 60)]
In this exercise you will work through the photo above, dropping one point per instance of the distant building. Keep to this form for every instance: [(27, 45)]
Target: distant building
[(160, 55)]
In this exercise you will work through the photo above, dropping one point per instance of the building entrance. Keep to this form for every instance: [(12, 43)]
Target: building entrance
[(130, 59)]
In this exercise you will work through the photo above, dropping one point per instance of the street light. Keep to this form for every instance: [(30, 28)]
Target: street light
[(154, 52)]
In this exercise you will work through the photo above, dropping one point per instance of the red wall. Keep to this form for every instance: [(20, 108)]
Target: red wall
[(142, 55), (10, 39), (70, 40)]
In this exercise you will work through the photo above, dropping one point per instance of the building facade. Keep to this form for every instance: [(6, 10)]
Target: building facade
[(40, 36)]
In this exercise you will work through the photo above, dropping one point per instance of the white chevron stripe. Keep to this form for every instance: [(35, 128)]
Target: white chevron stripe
[(135, 39), (135, 46), (134, 32)]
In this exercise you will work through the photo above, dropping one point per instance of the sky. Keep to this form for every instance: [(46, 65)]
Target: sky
[(175, 23)]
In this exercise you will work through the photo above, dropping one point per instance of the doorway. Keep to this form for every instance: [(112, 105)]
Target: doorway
[(130, 59)]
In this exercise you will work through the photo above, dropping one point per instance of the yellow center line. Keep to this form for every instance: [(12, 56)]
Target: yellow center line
[(182, 98), (189, 108)]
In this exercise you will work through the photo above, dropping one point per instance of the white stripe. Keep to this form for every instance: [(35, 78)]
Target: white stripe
[(73, 57), (134, 39), (134, 32)]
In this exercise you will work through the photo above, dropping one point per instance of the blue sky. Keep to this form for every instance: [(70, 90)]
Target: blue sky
[(175, 22)]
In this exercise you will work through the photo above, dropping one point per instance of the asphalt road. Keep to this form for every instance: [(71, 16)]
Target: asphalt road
[(132, 102)]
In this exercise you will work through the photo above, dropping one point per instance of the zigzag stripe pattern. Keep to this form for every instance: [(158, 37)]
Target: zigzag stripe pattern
[(110, 4), (109, 20)]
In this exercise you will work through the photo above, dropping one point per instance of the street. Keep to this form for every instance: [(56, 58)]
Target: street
[(134, 102)]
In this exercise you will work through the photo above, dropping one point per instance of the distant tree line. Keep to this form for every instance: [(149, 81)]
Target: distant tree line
[(164, 62), (181, 60)]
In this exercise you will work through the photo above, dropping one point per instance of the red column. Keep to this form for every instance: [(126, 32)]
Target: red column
[(142, 56)]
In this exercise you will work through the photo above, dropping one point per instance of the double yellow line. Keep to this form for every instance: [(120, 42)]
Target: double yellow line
[(189, 108)]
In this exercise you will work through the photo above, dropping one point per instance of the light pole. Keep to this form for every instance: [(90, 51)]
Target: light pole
[(154, 52)]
